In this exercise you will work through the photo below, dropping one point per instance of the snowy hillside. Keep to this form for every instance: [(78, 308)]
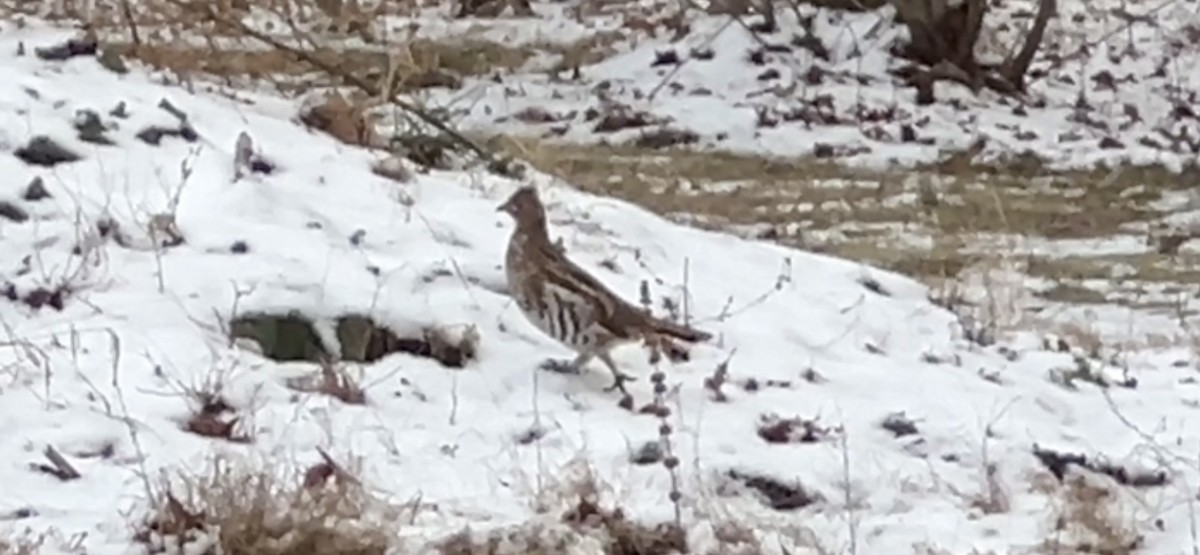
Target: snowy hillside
[(852, 414), (1114, 81)]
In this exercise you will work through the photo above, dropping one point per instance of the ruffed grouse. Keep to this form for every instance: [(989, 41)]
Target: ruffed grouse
[(567, 303)]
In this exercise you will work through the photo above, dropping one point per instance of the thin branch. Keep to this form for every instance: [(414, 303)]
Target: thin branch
[(367, 87), (59, 467)]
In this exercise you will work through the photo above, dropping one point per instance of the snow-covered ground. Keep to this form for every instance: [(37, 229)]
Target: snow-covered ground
[(843, 346), (1114, 82)]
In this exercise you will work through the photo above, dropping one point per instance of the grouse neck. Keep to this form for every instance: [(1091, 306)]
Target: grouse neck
[(535, 226)]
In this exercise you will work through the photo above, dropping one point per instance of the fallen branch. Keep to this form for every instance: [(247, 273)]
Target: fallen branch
[(59, 467)]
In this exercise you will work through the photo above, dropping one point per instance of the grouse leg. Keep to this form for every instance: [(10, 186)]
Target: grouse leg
[(619, 378)]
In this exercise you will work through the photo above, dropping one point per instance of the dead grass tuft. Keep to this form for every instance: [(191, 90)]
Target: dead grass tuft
[(585, 525), (1090, 520), (21, 544), (213, 417), (237, 509), (347, 122), (623, 536), (525, 540), (333, 380)]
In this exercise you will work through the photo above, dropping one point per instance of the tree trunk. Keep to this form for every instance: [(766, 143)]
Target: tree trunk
[(940, 32), (1016, 67)]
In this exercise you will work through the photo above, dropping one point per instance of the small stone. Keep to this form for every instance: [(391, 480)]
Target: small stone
[(258, 165), (12, 212), (84, 46), (649, 453), (899, 424), (151, 135), (90, 128), (665, 58), (35, 191), (111, 60), (188, 134), (43, 151)]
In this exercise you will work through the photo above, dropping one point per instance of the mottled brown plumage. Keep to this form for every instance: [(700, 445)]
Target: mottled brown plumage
[(569, 304)]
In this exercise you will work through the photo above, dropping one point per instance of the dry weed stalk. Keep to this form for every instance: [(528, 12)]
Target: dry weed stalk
[(670, 460), (211, 414)]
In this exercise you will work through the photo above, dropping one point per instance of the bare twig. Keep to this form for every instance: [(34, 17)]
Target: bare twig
[(59, 467)]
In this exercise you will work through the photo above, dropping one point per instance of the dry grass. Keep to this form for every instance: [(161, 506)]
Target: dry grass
[(586, 526), (1090, 520), (20, 544), (1144, 267), (422, 63), (577, 513), (244, 510), (740, 189)]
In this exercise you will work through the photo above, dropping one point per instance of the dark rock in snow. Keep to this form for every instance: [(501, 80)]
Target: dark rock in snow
[(91, 129), (84, 46), (10, 211), (154, 134), (775, 493), (43, 151), (258, 165), (35, 191)]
